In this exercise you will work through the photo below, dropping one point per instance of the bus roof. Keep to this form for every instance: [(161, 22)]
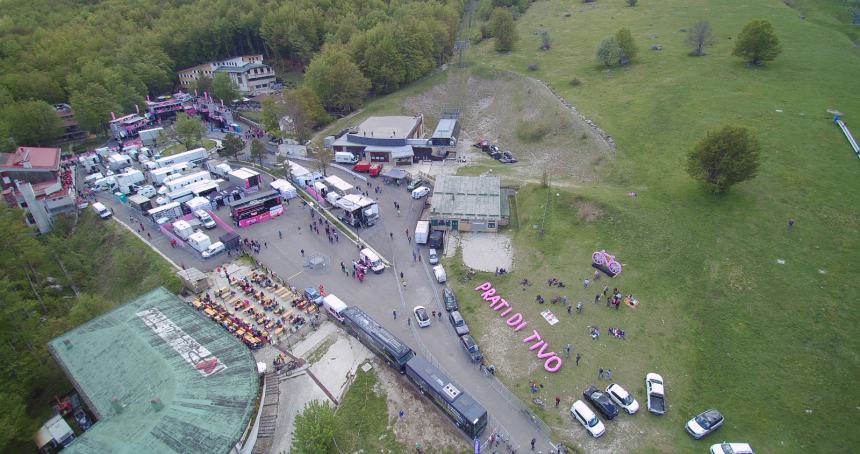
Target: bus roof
[(253, 198), (363, 321)]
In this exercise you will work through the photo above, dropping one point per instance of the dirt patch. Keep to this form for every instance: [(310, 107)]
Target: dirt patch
[(422, 422), (521, 115), (487, 251)]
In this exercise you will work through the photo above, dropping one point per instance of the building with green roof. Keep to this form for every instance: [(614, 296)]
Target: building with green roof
[(160, 377)]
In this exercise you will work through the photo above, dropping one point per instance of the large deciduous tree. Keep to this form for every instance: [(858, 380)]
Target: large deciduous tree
[(757, 43), (231, 146), (31, 123), (700, 36), (189, 130), (314, 429), (258, 151), (224, 88), (503, 29), (336, 79), (724, 157)]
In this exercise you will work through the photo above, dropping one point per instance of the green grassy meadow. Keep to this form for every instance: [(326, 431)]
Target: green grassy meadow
[(773, 346)]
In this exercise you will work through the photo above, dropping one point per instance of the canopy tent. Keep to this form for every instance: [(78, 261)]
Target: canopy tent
[(395, 174)]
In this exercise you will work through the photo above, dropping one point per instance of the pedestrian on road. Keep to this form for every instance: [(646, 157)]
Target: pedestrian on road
[(280, 235), (401, 275), (391, 234), (578, 357), (148, 235), (434, 314), (395, 318), (266, 244), (407, 231), (557, 401), (402, 413), (599, 371), (303, 252), (409, 321), (534, 440)]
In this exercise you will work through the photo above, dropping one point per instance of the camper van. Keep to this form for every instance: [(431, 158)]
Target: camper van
[(103, 211), (345, 157), (369, 257)]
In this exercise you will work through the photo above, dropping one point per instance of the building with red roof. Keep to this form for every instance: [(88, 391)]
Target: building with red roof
[(33, 179)]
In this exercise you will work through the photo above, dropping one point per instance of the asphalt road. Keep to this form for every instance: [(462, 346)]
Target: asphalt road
[(379, 295)]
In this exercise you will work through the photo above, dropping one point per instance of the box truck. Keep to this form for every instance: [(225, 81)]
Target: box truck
[(422, 231), (191, 156), (182, 229), (199, 241), (183, 181), (127, 179), (345, 157)]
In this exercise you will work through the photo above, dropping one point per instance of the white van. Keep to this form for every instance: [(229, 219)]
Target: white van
[(370, 257), (439, 272), (418, 193), (422, 231), (213, 249), (103, 211), (345, 157)]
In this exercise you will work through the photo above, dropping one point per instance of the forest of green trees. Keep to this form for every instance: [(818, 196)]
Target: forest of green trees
[(106, 56)]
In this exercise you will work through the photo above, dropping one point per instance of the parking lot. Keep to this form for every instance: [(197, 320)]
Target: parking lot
[(382, 295)]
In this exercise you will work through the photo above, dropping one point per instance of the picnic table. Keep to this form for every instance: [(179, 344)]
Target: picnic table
[(210, 312), (197, 304)]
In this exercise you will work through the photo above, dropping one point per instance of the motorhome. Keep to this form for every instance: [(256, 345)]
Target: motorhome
[(372, 260)]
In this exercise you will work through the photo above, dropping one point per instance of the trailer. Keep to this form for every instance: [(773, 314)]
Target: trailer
[(160, 175), (140, 203), (245, 178), (184, 181), (287, 190), (194, 156), (165, 213)]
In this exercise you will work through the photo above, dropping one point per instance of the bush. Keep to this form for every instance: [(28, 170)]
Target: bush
[(530, 131), (632, 3), (575, 82), (609, 52)]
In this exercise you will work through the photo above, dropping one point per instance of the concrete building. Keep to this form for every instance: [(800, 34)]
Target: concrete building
[(394, 139), (468, 204), (33, 179), (248, 72), (160, 378), (71, 128)]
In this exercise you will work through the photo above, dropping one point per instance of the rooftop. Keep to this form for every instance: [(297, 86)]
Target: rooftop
[(466, 197), (240, 69), (160, 377), (445, 128), (31, 158), (392, 127)]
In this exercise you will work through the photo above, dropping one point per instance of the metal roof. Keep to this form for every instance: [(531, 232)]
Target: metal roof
[(160, 377), (445, 128), (466, 197)]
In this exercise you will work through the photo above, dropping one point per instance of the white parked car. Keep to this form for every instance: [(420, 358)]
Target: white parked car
[(421, 316), (587, 418), (705, 423), (656, 395), (732, 448), (439, 272), (433, 257), (622, 398)]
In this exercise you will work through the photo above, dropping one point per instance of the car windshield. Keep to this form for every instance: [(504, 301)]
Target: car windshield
[(654, 380), (422, 314), (593, 421), (627, 400), (727, 448), (707, 419)]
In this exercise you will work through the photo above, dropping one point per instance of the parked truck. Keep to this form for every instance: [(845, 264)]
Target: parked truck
[(128, 179), (191, 156), (182, 229), (422, 231), (183, 181), (117, 162)]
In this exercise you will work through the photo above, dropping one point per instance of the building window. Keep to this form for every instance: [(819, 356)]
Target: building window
[(491, 225)]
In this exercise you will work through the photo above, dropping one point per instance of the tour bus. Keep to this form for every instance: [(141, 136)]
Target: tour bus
[(466, 412), (377, 338), (256, 208)]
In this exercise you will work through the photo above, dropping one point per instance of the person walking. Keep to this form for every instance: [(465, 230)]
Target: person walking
[(534, 440), (585, 283), (394, 313), (409, 321), (303, 252), (567, 351), (599, 371), (568, 309), (790, 224), (557, 401), (280, 235), (596, 298), (401, 275), (609, 374), (578, 357)]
